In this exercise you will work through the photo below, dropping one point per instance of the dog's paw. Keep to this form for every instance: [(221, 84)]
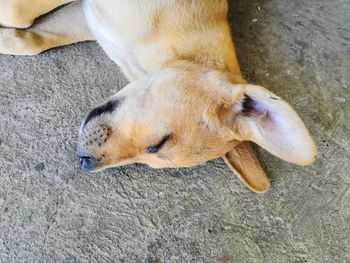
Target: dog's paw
[(20, 42)]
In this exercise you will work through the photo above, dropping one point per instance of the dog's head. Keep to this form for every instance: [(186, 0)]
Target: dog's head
[(184, 118)]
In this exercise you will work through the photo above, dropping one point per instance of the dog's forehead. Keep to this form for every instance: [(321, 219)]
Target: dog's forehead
[(150, 104)]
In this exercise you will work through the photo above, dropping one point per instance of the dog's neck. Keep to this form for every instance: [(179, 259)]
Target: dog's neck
[(182, 64), (219, 56)]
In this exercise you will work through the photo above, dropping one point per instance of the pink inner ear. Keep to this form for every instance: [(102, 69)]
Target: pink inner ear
[(256, 109), (277, 128), (271, 122), (252, 108)]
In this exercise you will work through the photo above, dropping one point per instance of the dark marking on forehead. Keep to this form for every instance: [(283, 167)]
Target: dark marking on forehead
[(108, 107)]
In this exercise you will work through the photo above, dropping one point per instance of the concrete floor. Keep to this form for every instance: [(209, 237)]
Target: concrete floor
[(52, 212)]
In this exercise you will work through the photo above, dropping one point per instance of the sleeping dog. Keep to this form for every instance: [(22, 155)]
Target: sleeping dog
[(187, 101)]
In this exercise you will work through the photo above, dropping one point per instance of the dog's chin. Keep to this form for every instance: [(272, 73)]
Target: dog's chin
[(100, 168), (158, 165), (173, 166)]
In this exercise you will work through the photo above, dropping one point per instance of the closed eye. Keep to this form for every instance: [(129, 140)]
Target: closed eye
[(155, 148)]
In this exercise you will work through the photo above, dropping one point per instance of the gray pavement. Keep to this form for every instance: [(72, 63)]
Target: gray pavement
[(50, 211)]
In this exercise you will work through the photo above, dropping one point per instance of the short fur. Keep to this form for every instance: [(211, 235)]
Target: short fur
[(187, 100)]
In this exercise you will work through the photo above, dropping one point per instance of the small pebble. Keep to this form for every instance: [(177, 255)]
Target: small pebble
[(39, 167), (340, 99)]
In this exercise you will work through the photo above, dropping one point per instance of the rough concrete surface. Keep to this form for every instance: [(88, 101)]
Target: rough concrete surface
[(50, 211)]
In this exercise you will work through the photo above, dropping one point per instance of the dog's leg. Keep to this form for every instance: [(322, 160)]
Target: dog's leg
[(22, 13), (65, 26)]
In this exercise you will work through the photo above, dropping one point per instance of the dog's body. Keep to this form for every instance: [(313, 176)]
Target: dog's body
[(163, 32), (187, 101)]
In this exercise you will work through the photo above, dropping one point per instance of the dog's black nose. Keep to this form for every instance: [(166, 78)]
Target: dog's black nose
[(87, 162)]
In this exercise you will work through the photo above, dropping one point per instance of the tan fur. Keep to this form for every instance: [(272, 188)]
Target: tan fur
[(65, 26), (22, 13), (243, 162), (185, 83)]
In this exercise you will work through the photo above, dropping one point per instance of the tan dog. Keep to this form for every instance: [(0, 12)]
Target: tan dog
[(187, 102)]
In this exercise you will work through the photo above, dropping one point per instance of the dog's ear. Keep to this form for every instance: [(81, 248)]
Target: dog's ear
[(264, 118), (242, 160)]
